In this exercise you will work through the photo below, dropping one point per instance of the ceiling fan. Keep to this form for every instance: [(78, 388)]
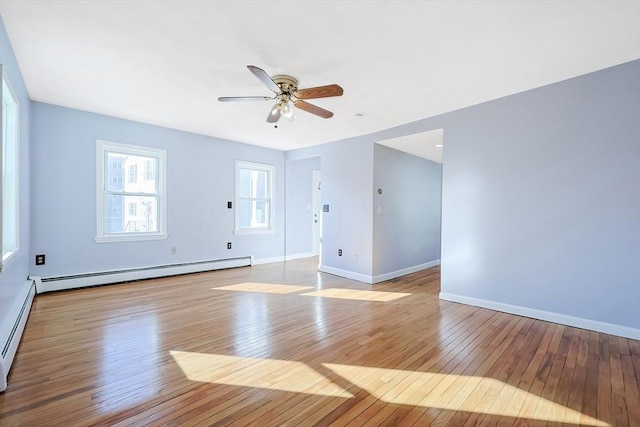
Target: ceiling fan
[(286, 92)]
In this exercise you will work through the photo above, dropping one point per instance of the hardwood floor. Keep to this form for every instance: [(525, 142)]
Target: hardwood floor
[(281, 344)]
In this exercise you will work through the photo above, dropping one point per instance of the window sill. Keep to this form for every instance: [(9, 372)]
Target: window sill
[(8, 259), (129, 237)]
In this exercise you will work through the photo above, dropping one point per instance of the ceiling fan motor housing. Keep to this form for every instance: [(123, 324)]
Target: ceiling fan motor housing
[(286, 90), (286, 83)]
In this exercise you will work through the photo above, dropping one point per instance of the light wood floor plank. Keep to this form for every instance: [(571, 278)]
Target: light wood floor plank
[(283, 345)]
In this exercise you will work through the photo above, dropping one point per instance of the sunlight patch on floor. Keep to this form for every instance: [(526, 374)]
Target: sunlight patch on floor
[(457, 393), (394, 386), (270, 288), (355, 294), (282, 375)]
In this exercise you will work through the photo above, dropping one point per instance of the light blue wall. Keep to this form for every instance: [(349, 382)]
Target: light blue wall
[(541, 198), (12, 280), (347, 179), (347, 183), (200, 182), (406, 216), (299, 219)]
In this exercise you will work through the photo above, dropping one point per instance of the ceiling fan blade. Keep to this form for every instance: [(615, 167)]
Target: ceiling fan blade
[(274, 115), (243, 98), (313, 109), (264, 78), (319, 92)]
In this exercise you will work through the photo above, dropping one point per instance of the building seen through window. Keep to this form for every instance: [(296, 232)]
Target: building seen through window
[(132, 205)]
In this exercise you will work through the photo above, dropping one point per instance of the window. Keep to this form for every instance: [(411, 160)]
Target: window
[(9, 166), (128, 209), (133, 173), (254, 198), (148, 170)]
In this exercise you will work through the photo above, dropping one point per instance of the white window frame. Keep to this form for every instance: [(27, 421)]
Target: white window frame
[(271, 229), (7, 258), (103, 148)]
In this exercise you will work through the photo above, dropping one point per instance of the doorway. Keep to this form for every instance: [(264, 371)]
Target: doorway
[(316, 211)]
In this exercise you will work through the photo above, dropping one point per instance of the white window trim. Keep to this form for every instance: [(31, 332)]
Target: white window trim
[(161, 175), (8, 259), (272, 211)]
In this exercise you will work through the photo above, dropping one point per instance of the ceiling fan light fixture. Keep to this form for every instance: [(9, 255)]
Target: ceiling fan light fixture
[(286, 93), (287, 112)]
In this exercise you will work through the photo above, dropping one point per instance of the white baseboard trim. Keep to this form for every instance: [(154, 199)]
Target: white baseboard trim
[(563, 319), (267, 260), (300, 256), (9, 349), (49, 284), (392, 275), (346, 273)]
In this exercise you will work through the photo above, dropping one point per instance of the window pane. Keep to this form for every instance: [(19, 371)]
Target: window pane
[(140, 216), (260, 213), (244, 186), (133, 174), (135, 165), (254, 205), (260, 182), (115, 171), (149, 166), (115, 216), (123, 170), (131, 193), (254, 213), (9, 168)]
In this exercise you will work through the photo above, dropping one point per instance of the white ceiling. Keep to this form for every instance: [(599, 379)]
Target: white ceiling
[(167, 62), (427, 145)]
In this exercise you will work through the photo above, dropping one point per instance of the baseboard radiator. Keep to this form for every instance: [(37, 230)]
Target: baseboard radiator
[(10, 347), (49, 284)]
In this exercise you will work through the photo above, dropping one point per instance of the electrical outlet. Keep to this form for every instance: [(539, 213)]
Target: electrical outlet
[(355, 256), (229, 205), (40, 259), (339, 252), (174, 250), (228, 245)]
